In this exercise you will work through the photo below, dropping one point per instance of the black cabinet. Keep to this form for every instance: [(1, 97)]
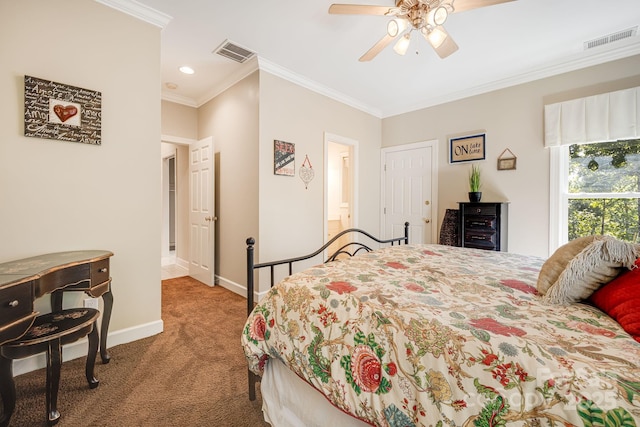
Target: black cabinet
[(483, 226)]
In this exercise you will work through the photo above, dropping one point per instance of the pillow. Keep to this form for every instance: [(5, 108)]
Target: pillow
[(555, 265), (597, 264), (620, 299)]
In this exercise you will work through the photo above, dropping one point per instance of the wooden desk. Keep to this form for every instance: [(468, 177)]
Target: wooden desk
[(24, 280)]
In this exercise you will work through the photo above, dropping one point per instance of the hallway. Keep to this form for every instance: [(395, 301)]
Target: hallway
[(171, 270)]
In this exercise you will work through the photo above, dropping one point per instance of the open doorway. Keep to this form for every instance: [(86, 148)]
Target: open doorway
[(340, 197), (174, 158)]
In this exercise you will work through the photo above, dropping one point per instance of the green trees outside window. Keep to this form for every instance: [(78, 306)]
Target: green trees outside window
[(604, 190)]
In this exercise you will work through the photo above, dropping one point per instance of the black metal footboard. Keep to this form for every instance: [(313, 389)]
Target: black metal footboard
[(350, 249)]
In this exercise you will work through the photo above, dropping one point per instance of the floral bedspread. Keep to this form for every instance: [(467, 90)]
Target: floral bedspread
[(431, 335)]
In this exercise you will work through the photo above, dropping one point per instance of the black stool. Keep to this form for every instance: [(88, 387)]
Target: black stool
[(49, 333)]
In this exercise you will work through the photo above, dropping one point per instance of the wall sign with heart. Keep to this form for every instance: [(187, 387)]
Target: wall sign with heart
[(62, 112), (306, 172)]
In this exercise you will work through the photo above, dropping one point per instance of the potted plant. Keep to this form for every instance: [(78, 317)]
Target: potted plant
[(474, 184)]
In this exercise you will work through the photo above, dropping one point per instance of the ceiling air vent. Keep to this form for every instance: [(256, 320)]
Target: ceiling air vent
[(620, 35), (234, 52)]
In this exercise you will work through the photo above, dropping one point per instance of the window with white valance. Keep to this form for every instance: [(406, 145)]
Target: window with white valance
[(607, 117), (611, 118)]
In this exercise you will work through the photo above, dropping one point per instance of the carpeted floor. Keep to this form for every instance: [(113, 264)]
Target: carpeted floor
[(192, 374)]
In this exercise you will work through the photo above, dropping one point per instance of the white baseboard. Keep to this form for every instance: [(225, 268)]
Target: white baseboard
[(237, 288), (79, 348), (182, 263)]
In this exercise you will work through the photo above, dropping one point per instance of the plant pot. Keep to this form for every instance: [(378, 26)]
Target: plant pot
[(475, 196)]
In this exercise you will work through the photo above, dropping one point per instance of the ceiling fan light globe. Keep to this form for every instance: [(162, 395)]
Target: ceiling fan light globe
[(393, 29), (402, 45), (440, 15), (396, 26), (436, 37)]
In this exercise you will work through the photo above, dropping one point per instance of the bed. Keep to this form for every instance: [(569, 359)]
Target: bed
[(433, 335)]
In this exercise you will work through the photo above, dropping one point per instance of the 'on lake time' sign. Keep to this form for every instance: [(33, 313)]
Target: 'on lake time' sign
[(467, 148)]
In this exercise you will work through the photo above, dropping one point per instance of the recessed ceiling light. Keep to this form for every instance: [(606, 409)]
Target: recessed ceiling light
[(186, 70), (171, 85)]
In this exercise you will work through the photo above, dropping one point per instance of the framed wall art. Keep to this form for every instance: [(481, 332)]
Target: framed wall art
[(284, 158), (506, 160), (58, 111), (467, 148)]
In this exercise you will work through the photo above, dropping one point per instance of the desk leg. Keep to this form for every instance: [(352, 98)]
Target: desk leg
[(7, 390), (54, 364), (56, 301), (91, 357), (107, 299)]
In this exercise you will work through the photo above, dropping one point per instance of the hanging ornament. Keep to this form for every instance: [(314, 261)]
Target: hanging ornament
[(618, 160), (306, 172)]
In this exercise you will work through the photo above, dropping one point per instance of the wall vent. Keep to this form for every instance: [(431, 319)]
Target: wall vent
[(620, 35), (231, 50)]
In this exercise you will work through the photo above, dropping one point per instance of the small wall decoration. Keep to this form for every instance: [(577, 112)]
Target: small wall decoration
[(306, 172), (284, 156), (506, 160), (62, 112), (467, 148)]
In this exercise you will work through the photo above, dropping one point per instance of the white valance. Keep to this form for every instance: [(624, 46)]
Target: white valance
[(608, 117)]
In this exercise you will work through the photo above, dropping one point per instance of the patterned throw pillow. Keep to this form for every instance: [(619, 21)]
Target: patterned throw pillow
[(620, 299), (555, 265), (597, 264)]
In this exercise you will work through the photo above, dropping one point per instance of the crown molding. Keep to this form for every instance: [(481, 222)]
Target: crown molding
[(584, 59), (178, 99), (243, 71), (289, 75), (140, 11)]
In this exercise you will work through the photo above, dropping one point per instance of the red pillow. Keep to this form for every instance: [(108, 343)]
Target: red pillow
[(620, 299)]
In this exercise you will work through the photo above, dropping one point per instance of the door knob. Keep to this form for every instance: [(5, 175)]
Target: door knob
[(426, 220)]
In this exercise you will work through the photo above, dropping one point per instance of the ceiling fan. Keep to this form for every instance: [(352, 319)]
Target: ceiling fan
[(424, 16)]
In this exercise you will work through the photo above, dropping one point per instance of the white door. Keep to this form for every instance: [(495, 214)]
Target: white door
[(410, 191), (201, 212)]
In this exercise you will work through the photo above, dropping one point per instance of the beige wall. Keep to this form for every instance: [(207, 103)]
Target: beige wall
[(60, 196), (179, 120), (232, 119), (512, 118), (292, 217)]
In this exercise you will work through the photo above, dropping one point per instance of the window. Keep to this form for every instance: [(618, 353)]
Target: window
[(598, 190), (594, 185)]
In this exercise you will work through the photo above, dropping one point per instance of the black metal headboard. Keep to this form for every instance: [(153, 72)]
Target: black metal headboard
[(350, 249)]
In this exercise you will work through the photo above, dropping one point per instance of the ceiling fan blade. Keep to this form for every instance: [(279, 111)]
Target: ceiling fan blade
[(463, 5), (358, 9), (377, 48)]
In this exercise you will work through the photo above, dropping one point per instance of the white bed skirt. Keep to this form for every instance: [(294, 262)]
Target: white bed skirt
[(288, 401)]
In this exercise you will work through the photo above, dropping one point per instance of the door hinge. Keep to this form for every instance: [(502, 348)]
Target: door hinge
[(384, 211)]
